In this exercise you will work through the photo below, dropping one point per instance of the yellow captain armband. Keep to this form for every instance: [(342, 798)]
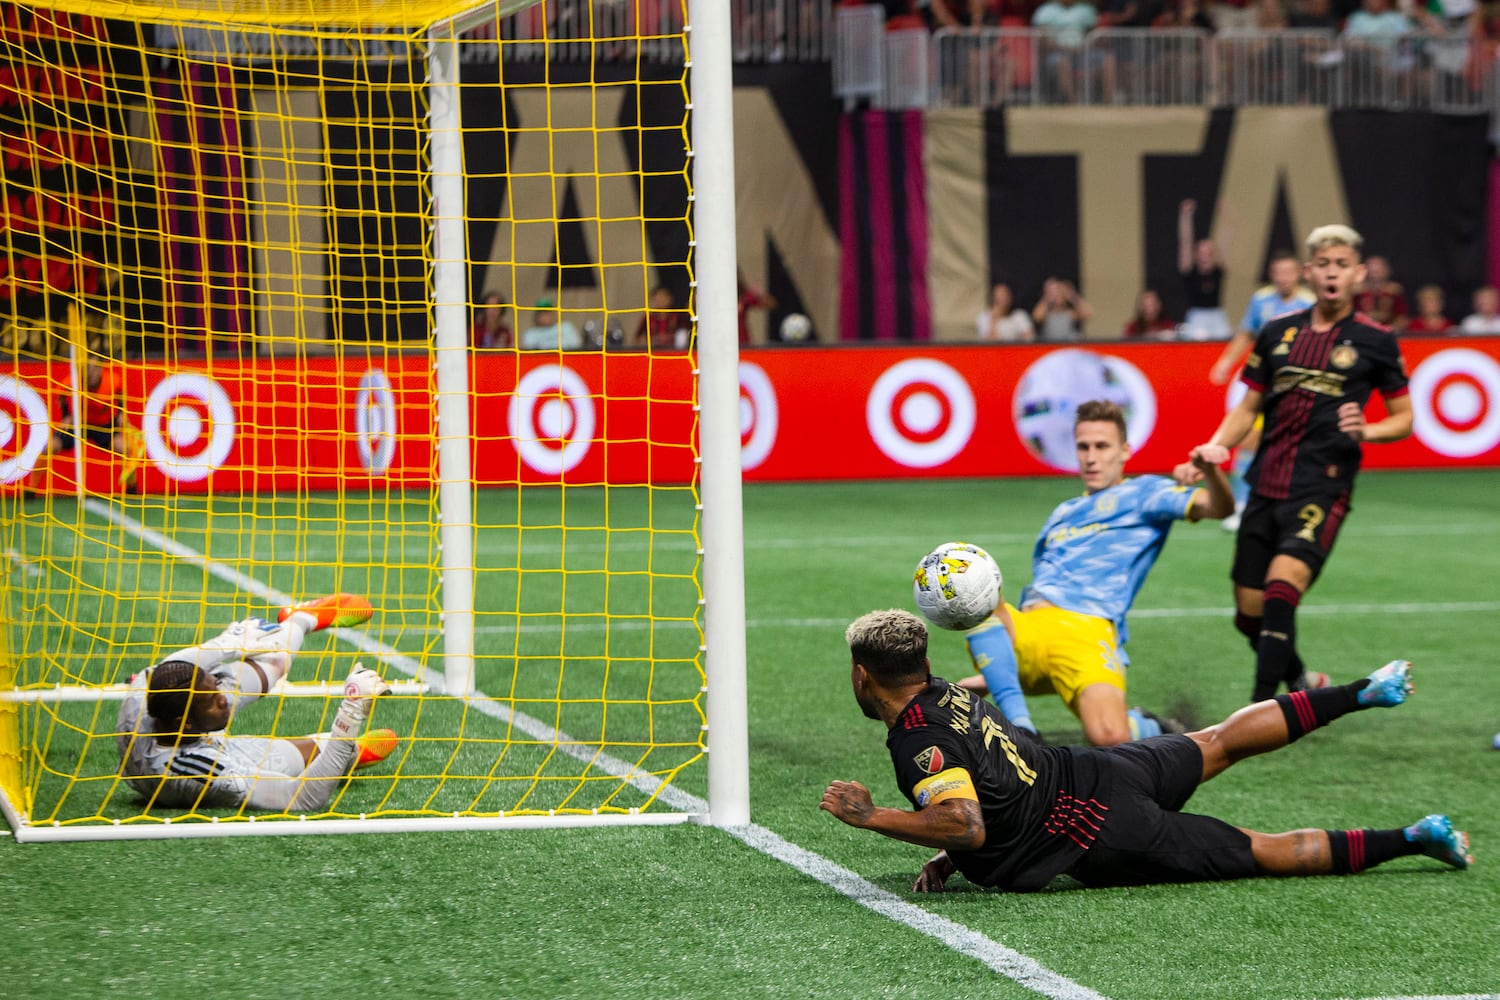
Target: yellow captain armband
[(954, 783)]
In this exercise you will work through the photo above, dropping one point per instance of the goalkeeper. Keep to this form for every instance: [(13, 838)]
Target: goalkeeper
[(173, 746)]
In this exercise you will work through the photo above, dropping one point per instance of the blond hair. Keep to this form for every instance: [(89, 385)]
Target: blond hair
[(890, 644), (1333, 236)]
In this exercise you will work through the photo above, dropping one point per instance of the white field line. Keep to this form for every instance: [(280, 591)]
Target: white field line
[(1008, 962), (964, 940)]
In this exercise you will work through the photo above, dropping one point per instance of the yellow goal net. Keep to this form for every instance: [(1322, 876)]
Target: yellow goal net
[(407, 301)]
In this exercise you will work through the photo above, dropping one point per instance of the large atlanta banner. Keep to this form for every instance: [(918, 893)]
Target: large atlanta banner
[(623, 419)]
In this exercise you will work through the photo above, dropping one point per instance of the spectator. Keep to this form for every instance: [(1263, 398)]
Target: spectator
[(1371, 40), (1060, 314), (1486, 315), (1200, 262), (1185, 14), (1431, 315), (548, 333), (750, 298), (1150, 321), (491, 327), (662, 327), (1003, 321), (1065, 23), (1380, 297), (1313, 14)]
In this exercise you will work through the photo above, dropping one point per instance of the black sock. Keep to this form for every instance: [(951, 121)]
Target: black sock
[(1277, 647), (1355, 850), (1249, 627), (1307, 710)]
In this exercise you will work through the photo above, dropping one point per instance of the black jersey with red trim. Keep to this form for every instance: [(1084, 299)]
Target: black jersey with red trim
[(1305, 375), (1043, 806)]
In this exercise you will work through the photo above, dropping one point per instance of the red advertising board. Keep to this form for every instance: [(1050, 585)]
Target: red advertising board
[(806, 413)]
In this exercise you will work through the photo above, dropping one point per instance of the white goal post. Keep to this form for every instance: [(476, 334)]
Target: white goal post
[(447, 669)]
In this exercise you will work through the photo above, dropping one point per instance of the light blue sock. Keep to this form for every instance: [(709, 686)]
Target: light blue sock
[(995, 658), (1237, 470), (1142, 727)]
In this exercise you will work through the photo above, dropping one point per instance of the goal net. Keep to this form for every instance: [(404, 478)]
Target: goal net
[(394, 299)]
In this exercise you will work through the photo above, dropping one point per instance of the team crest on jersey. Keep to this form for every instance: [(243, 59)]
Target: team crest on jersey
[(1343, 356), (1106, 504), (930, 760)]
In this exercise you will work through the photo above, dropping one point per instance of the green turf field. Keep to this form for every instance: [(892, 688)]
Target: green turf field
[(693, 912)]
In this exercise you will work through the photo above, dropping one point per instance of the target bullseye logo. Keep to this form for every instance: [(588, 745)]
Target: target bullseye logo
[(33, 425), (1455, 398), (552, 419), (375, 422), (189, 426), (920, 413), (759, 415)]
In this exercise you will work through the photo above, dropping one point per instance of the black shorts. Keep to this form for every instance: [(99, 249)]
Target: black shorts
[(1304, 527), (1146, 839), (99, 437)]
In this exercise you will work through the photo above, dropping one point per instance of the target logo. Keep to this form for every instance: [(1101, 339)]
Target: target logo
[(759, 415), (25, 418), (188, 426), (552, 419), (920, 413), (1455, 399), (375, 422)]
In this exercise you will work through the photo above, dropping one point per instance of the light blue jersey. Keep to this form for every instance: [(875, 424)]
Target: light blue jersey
[(1095, 550), (1267, 304)]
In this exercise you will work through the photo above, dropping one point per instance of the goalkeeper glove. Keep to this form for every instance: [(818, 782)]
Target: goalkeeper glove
[(361, 689)]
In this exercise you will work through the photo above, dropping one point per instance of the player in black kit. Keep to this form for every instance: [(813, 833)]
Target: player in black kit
[(1009, 812), (1311, 373)]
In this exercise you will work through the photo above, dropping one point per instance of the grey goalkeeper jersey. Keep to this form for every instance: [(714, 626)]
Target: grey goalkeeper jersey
[(213, 769)]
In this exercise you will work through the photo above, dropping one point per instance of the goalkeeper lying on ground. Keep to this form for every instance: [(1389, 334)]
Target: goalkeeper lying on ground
[(173, 748)]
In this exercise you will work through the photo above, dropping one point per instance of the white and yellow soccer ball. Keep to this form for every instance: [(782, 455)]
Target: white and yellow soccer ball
[(957, 585)]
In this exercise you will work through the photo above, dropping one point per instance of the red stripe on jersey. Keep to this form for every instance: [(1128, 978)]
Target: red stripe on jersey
[(1335, 518), (1397, 392), (1078, 820), (912, 718)]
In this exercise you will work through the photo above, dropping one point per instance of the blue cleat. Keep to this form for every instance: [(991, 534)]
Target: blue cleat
[(1439, 840), (1388, 686)]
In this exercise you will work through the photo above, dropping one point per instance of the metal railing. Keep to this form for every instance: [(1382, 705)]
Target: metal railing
[(988, 67), (762, 31)]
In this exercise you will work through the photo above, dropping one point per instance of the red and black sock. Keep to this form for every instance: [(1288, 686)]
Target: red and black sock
[(1355, 850), (1276, 650), (1305, 711)]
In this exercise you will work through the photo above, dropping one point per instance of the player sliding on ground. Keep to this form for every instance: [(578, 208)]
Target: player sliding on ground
[(173, 747), (1090, 560), (1008, 812)]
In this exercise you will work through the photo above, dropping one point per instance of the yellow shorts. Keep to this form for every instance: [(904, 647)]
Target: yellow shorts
[(1062, 652)]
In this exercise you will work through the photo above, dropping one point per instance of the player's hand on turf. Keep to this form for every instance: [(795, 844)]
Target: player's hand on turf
[(1352, 420), (849, 801), (934, 874)]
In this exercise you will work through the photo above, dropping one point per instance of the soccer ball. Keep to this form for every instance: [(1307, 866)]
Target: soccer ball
[(796, 328), (957, 585)]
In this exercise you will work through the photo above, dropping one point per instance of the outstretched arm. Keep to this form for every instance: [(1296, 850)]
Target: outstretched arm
[(951, 823), (315, 786), (1185, 234), (1215, 499), (1230, 356)]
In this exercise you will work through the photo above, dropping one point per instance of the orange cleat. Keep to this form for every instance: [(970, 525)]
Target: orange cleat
[(333, 611), (375, 746)]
